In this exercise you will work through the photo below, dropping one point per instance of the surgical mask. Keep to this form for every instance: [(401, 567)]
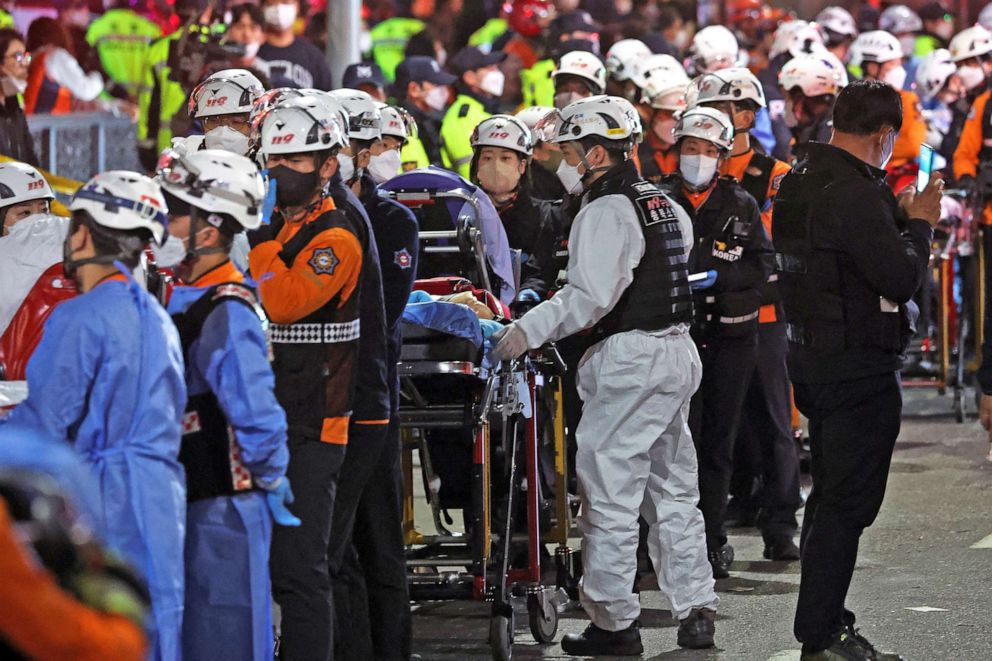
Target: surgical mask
[(251, 50), (789, 116), (664, 128), (698, 170), (171, 253), (437, 98), (569, 177), (385, 166), (563, 99), (895, 76), (293, 189), (908, 46), (972, 76), (226, 138), (890, 142), (346, 166), (492, 83), (281, 15), (498, 178), (681, 39)]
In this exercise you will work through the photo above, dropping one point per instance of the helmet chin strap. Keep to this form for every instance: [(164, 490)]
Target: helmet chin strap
[(584, 163)]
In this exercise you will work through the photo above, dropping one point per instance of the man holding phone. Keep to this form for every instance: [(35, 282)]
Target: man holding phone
[(847, 272)]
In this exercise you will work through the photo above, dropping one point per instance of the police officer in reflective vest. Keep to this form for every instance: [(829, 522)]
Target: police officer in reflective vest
[(627, 281), (234, 431), (766, 444), (479, 89), (733, 252), (850, 257)]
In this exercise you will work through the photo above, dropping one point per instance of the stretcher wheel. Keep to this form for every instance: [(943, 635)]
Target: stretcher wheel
[(542, 626), (501, 637), (959, 407)]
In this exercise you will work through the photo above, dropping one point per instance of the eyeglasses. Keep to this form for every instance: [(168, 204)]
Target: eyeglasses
[(21, 57)]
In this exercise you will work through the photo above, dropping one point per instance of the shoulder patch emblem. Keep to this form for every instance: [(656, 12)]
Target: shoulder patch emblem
[(777, 180), (402, 259), (324, 261)]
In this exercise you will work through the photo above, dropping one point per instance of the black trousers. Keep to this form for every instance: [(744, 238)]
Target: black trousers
[(766, 448), (714, 417), (366, 554), (301, 584), (853, 427)]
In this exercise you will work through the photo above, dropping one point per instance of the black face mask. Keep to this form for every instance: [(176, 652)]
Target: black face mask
[(294, 188)]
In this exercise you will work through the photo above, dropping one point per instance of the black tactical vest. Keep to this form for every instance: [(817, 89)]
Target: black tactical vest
[(209, 451), (659, 295), (757, 176)]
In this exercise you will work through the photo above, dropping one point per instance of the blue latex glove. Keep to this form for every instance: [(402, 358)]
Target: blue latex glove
[(489, 326), (528, 296), (706, 283), (419, 296), (269, 204), (277, 499)]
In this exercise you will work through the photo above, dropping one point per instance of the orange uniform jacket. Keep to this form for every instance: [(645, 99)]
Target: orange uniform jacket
[(974, 138), (912, 134)]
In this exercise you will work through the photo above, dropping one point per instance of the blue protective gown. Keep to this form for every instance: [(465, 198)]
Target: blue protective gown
[(228, 594), (107, 376)]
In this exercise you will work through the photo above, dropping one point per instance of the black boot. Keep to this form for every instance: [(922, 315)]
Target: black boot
[(697, 630), (873, 653), (843, 647), (781, 549), (720, 560), (600, 642)]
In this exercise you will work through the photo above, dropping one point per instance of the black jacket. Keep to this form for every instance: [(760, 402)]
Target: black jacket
[(15, 139), (534, 226), (428, 130), (864, 250)]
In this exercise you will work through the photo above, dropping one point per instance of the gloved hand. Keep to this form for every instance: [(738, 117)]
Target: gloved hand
[(511, 342), (528, 296), (968, 184), (489, 327), (706, 283), (277, 498)]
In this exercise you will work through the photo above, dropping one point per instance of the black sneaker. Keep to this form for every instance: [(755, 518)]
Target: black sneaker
[(697, 630), (872, 652), (720, 561), (844, 647), (781, 549), (599, 642)]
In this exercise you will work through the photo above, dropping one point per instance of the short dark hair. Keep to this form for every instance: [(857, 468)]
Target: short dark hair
[(865, 106), (254, 12), (124, 245), (615, 149), (7, 37)]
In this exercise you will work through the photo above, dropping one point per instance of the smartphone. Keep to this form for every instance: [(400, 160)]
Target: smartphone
[(926, 166)]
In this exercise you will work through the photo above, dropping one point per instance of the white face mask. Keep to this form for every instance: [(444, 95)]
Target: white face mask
[(251, 50), (437, 98), (681, 39), (908, 45), (563, 99), (895, 77), (972, 76), (226, 138), (492, 83), (12, 86), (346, 166), (698, 170), (887, 147), (789, 116), (171, 253), (385, 166), (281, 16), (570, 177)]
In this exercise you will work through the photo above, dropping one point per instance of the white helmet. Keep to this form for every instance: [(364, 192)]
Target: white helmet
[(665, 89), (623, 57), (301, 125), (837, 20), (815, 75), (123, 200), (875, 46), (899, 19), (970, 42), (796, 38), (985, 17), (215, 181), (734, 84), (542, 122), (397, 122), (713, 48), (226, 92), (19, 182), (504, 131), (707, 124), (364, 118), (659, 61), (585, 65), (609, 117), (933, 72)]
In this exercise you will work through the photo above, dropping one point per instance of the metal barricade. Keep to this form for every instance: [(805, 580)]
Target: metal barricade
[(80, 144)]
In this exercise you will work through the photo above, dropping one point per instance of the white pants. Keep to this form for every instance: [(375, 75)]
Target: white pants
[(635, 456)]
